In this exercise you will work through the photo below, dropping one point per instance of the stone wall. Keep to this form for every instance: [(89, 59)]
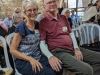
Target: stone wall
[(10, 5)]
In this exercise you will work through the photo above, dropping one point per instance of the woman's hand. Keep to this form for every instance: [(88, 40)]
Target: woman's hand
[(35, 65)]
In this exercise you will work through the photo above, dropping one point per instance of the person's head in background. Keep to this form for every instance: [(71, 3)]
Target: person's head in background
[(66, 12), (64, 5), (29, 10), (9, 15), (89, 5), (17, 10), (17, 18), (97, 4), (73, 11)]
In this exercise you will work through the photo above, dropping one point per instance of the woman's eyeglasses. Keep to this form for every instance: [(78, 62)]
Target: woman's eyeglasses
[(30, 10)]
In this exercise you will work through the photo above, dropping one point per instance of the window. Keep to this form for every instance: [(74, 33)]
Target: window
[(71, 3)]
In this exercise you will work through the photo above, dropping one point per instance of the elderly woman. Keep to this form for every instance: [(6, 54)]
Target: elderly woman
[(16, 18), (66, 12), (93, 14), (25, 44)]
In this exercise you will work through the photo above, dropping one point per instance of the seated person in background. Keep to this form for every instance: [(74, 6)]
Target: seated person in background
[(42, 15), (58, 43), (3, 25), (3, 29), (66, 12), (8, 19), (63, 7), (16, 18), (25, 44), (73, 15), (93, 13)]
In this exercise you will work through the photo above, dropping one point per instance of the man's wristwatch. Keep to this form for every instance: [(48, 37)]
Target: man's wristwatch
[(77, 49)]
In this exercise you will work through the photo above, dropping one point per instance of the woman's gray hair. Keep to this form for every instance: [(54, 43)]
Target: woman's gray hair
[(25, 2), (15, 16), (64, 11)]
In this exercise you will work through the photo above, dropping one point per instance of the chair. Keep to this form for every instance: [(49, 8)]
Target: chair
[(76, 22), (66, 72), (6, 56), (5, 52), (88, 32), (9, 39)]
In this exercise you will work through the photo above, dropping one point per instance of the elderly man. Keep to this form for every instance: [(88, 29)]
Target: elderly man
[(61, 45)]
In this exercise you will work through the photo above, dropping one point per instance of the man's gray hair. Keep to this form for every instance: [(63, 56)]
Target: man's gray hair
[(25, 2)]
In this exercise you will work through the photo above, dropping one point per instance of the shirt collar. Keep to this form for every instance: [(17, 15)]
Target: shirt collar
[(50, 17)]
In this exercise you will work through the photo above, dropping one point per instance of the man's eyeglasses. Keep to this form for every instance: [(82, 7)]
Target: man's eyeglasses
[(30, 10), (54, 1)]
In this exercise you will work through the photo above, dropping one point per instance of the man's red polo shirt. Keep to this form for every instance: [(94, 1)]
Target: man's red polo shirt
[(56, 32)]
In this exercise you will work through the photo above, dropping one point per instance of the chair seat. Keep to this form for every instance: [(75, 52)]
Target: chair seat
[(66, 72), (7, 71)]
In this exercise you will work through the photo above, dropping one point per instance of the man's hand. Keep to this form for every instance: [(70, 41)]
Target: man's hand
[(78, 54), (55, 63)]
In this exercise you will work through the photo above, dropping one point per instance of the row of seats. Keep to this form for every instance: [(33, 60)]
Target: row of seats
[(89, 36)]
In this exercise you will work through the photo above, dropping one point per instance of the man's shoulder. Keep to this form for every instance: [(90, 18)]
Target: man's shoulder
[(44, 20), (61, 16)]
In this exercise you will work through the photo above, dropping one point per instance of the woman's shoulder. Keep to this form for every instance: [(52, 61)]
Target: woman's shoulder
[(21, 24), (21, 28)]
